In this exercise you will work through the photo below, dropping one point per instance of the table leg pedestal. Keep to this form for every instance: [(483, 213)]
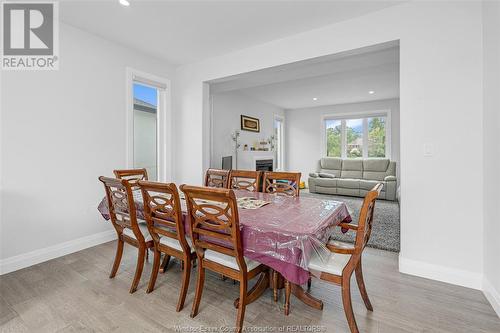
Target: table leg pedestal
[(307, 298), (257, 290)]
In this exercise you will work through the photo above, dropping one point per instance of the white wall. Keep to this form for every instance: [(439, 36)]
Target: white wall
[(226, 110), (304, 134), (60, 130), (491, 135), (441, 99)]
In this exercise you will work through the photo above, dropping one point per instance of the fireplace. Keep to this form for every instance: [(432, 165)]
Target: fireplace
[(264, 165)]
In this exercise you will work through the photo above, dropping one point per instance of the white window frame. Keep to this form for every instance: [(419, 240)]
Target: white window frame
[(281, 162), (164, 120), (357, 115)]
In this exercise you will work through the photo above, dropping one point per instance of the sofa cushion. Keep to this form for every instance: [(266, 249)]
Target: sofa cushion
[(373, 175), (333, 163), (325, 182), (326, 190), (375, 168), (375, 164), (368, 184), (348, 183), (353, 192), (352, 168)]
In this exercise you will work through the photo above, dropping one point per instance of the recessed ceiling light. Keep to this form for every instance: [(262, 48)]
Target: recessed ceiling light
[(315, 98), (124, 3), (371, 92)]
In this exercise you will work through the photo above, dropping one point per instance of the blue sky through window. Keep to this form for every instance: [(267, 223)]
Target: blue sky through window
[(146, 94), (355, 124)]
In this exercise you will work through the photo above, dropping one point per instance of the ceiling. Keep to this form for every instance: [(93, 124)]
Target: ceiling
[(188, 31), (337, 79)]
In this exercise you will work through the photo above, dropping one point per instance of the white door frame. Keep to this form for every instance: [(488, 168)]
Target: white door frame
[(164, 121), (282, 142)]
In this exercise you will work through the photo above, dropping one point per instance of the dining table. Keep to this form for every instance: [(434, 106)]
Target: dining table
[(283, 234)]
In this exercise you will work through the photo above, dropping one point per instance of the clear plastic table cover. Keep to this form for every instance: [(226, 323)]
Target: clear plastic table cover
[(288, 231)]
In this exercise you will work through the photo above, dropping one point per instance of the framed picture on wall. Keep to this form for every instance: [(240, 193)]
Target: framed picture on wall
[(250, 124)]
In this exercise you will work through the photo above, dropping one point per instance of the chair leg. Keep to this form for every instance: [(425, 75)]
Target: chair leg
[(154, 271), (346, 301), (241, 305), (275, 286), (118, 258), (185, 284), (309, 283), (138, 269), (362, 287), (288, 291), (164, 263), (199, 289)]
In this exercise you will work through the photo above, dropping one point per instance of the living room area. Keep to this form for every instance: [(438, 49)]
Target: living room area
[(334, 119)]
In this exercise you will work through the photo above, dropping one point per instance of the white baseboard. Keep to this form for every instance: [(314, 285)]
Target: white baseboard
[(35, 257), (492, 295), (440, 273)]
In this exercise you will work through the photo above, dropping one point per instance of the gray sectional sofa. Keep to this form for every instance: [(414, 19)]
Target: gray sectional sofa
[(354, 177)]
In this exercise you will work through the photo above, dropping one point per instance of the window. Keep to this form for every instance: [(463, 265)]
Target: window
[(279, 136), (148, 124), (354, 138), (334, 138), (376, 137), (145, 125), (357, 137)]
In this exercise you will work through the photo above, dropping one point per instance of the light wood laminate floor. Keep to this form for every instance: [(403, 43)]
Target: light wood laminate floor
[(74, 293)]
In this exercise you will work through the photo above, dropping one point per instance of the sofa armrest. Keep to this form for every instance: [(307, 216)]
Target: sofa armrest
[(390, 178), (325, 175), (311, 184), (313, 174), (390, 189)]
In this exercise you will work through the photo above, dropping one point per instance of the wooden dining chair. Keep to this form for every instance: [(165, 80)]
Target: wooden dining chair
[(245, 180), (215, 231), (132, 175), (217, 178), (162, 211), (345, 259), (287, 183), (122, 212)]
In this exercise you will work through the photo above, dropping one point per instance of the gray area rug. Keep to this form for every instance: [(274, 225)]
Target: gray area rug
[(385, 232)]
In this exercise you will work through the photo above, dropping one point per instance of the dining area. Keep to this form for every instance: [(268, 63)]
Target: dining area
[(251, 229)]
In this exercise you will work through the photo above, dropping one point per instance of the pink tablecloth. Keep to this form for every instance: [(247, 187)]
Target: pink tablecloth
[(283, 234)]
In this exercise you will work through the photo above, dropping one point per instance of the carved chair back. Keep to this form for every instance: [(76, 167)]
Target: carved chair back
[(217, 178), (286, 183), (245, 180), (121, 205), (162, 211), (214, 221), (132, 175), (365, 221)]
